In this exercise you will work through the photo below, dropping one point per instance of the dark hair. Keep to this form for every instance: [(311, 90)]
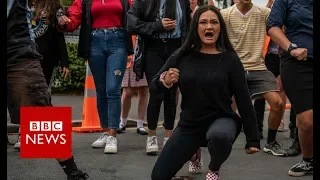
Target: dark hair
[(193, 41), (49, 6)]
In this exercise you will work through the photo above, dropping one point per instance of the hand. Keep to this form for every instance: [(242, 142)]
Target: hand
[(64, 72), (299, 53), (168, 24), (63, 20), (172, 76), (252, 150)]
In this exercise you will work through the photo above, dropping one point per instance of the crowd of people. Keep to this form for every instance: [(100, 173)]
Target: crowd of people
[(219, 60)]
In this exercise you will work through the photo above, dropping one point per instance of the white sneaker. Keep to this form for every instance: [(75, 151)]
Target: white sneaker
[(17, 145), (111, 145), (152, 145), (165, 141), (101, 141)]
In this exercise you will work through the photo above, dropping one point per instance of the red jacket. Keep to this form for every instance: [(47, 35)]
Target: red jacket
[(79, 14)]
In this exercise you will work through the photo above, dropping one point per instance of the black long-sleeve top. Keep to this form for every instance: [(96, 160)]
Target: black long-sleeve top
[(207, 83), (51, 43)]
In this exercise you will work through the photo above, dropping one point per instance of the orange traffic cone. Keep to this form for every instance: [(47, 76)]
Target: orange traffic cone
[(90, 117), (288, 106)]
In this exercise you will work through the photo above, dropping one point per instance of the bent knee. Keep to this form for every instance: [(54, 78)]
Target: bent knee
[(127, 94), (277, 104), (305, 120), (220, 137)]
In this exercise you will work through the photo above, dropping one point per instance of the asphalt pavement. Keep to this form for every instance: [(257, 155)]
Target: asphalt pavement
[(132, 163)]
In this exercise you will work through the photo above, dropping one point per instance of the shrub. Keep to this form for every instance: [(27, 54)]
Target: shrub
[(75, 82)]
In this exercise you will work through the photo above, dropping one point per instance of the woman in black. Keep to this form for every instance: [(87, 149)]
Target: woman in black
[(208, 73), (161, 25), (51, 43)]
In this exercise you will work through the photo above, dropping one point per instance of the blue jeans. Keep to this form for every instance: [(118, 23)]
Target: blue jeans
[(107, 61)]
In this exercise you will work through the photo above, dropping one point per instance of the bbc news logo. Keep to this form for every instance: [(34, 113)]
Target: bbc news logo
[(45, 138), (45, 132)]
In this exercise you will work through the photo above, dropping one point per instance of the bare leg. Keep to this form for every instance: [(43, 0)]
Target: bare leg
[(305, 129), (277, 109), (142, 102), (127, 94)]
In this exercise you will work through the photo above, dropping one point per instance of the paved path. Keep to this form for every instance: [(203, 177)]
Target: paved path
[(131, 162)]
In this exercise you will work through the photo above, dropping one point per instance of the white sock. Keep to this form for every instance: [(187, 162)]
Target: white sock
[(139, 124), (123, 122)]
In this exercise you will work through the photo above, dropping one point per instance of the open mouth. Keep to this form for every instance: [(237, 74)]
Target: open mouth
[(208, 34)]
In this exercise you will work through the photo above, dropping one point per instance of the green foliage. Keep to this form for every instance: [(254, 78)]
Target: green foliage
[(67, 2), (75, 82)]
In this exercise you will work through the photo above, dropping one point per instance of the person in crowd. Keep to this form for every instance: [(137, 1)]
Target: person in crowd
[(106, 44), (208, 72), (272, 61), (296, 69), (161, 27), (26, 83), (129, 85), (246, 24), (43, 21)]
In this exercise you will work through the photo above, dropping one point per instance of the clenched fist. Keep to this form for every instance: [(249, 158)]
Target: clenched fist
[(63, 20), (299, 53), (172, 76)]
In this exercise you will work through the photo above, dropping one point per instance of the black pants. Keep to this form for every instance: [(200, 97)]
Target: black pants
[(182, 145), (273, 64), (156, 54)]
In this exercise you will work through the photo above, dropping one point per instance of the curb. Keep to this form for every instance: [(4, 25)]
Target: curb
[(130, 123), (14, 128)]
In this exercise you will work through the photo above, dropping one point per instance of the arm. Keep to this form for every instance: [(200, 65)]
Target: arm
[(269, 4), (156, 86), (63, 53), (275, 23), (140, 27), (74, 14), (241, 93)]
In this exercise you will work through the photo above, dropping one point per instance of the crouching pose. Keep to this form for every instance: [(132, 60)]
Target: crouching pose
[(208, 72)]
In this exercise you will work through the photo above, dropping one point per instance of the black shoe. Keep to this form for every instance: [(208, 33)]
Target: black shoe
[(78, 175), (121, 130), (275, 149), (294, 149), (301, 169), (142, 131), (261, 135)]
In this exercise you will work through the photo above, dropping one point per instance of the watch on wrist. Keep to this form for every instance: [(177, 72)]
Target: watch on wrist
[(292, 46)]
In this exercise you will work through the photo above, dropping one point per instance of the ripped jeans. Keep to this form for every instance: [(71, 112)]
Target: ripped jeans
[(107, 61), (26, 84)]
